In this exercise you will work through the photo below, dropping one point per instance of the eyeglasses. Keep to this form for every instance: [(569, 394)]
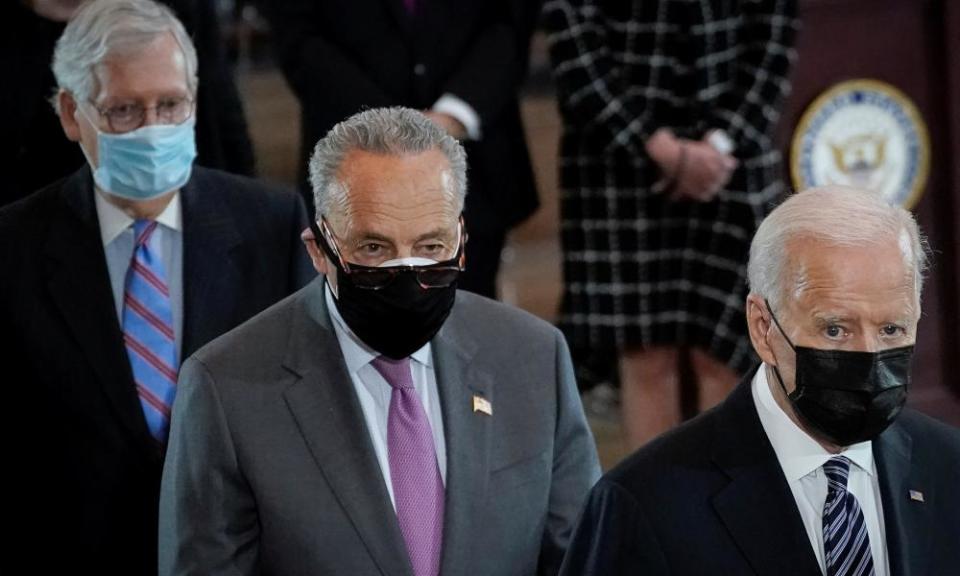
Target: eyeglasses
[(439, 275), (127, 117)]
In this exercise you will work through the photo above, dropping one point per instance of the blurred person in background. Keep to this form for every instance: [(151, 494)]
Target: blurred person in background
[(461, 62), (36, 153), (667, 165), (111, 277)]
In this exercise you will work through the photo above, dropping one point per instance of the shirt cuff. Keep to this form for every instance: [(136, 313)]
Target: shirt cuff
[(462, 112)]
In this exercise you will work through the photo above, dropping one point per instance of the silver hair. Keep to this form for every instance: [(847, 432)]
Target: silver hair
[(395, 131), (103, 28), (837, 216)]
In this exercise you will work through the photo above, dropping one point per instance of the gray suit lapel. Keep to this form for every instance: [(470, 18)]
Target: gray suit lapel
[(907, 520), (328, 414), (468, 442)]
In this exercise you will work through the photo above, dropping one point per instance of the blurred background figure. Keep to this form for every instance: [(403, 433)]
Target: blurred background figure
[(461, 62), (668, 163), (35, 151)]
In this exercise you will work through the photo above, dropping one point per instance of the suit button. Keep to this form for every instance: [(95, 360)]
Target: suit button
[(419, 69)]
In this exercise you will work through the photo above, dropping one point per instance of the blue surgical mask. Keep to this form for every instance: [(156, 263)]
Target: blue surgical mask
[(147, 162)]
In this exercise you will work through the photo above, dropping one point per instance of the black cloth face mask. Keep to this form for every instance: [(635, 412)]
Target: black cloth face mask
[(394, 310), (847, 396)]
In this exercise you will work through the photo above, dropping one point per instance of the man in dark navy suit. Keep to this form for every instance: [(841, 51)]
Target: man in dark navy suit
[(113, 276), (811, 466)]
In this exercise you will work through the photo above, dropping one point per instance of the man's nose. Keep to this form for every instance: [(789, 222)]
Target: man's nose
[(150, 116)]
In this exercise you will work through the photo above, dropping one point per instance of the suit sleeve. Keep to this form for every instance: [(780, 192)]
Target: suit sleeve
[(750, 110), (613, 538), (208, 519), (309, 61), (575, 464), (593, 89), (491, 70)]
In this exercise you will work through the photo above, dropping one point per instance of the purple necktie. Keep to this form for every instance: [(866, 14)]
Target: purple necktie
[(414, 473)]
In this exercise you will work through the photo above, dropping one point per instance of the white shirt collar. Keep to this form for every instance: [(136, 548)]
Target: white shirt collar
[(798, 453), (113, 220), (356, 353)]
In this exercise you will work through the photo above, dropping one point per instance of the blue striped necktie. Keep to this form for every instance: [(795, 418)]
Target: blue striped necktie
[(846, 543), (148, 331)]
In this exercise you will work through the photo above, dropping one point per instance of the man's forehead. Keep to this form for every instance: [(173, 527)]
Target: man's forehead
[(831, 280), (123, 73)]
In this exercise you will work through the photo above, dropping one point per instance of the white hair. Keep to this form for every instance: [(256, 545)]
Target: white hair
[(836, 216), (103, 28), (395, 131)]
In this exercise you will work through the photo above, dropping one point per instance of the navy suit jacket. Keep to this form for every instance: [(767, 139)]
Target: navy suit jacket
[(85, 471), (710, 498)]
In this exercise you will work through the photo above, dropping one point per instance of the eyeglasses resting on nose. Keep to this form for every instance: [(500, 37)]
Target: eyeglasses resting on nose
[(439, 275), (130, 116)]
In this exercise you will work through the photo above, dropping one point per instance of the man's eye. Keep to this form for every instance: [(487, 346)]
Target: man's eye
[(370, 249), (834, 331), (123, 110), (893, 330)]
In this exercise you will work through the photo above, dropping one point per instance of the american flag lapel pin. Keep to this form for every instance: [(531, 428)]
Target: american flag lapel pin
[(481, 404), (916, 495)]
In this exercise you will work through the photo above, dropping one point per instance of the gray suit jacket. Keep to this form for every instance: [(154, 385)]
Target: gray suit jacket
[(270, 467)]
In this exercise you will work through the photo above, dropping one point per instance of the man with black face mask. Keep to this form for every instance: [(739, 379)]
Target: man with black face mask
[(812, 465), (379, 421)]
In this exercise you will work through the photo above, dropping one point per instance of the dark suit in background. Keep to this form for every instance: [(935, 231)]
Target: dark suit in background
[(35, 152), (86, 474), (341, 56), (711, 498)]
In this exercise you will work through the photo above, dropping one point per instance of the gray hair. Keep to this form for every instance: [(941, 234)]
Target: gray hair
[(837, 216), (102, 28), (395, 131)]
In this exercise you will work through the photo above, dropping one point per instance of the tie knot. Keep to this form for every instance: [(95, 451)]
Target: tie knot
[(142, 230), (395, 372), (837, 470)]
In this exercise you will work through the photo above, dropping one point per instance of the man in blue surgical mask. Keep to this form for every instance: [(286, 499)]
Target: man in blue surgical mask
[(116, 274)]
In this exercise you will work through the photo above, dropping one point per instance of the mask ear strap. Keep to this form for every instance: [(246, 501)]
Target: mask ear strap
[(777, 323), (321, 241), (776, 370)]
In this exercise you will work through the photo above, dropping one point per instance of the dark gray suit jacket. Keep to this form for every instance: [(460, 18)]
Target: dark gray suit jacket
[(271, 470)]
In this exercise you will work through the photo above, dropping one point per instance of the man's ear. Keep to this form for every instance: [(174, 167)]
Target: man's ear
[(319, 259), (68, 115), (759, 324)]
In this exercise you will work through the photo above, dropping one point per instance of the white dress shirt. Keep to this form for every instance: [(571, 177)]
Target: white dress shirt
[(801, 458), (116, 232), (374, 392)]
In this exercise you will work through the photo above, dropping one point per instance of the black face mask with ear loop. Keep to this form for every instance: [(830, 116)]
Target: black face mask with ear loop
[(396, 320), (847, 396)]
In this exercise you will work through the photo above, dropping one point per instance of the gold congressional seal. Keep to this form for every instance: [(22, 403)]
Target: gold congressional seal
[(863, 133)]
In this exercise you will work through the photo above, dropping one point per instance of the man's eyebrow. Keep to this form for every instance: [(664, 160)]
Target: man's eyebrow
[(829, 319), (439, 232), (372, 236)]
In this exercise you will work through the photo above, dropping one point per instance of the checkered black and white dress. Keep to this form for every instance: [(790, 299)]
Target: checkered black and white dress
[(639, 270)]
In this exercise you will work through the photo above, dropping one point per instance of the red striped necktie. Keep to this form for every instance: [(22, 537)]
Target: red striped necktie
[(148, 331)]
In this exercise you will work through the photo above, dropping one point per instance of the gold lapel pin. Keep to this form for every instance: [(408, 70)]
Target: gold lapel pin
[(481, 404), (916, 495)]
